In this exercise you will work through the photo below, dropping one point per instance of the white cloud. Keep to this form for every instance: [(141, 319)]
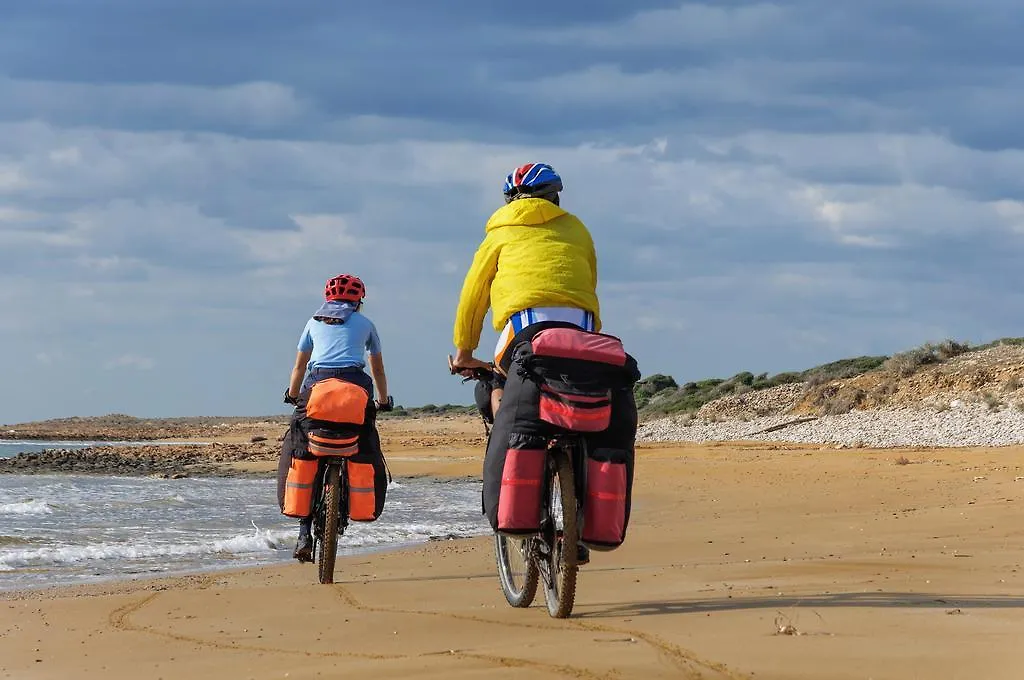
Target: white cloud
[(652, 324), (12, 179), (48, 358), (1011, 212), (316, 235), (13, 215), (69, 156), (130, 361)]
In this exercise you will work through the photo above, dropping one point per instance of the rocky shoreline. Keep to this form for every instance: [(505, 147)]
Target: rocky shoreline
[(956, 424), (168, 461), (118, 427)]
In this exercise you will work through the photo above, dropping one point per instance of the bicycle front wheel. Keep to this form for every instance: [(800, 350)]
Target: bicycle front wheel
[(517, 568), (558, 565), (329, 538)]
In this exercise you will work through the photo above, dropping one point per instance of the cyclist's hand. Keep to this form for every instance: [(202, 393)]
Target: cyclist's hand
[(466, 366), (288, 398), (388, 405)]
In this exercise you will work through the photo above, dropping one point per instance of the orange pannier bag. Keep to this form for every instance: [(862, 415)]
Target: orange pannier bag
[(298, 489), (362, 494), (336, 401)]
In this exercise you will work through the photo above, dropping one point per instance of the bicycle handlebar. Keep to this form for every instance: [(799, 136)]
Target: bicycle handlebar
[(389, 405), (476, 373)]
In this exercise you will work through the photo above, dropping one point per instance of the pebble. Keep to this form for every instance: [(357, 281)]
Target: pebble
[(966, 424)]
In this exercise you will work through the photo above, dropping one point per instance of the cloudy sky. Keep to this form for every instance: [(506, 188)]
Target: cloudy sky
[(769, 185)]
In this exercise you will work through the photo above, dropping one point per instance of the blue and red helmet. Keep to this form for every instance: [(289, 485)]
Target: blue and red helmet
[(532, 179)]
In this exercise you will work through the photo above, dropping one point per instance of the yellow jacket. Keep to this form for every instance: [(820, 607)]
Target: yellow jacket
[(534, 255)]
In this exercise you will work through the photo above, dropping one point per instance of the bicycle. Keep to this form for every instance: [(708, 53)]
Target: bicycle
[(551, 555), (330, 509)]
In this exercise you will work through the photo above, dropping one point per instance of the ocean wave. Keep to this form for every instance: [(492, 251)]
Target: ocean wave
[(29, 507), (257, 542), (260, 541)]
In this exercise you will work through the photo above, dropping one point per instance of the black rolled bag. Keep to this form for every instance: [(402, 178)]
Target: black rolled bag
[(562, 379)]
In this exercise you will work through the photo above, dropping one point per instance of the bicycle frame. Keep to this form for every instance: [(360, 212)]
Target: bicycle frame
[(320, 504), (575, 447)]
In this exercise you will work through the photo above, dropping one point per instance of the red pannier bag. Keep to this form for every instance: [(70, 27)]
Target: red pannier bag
[(604, 504), (522, 483), (576, 399)]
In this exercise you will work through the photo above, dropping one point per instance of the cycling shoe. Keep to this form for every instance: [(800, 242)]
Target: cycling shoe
[(582, 554), (304, 548)]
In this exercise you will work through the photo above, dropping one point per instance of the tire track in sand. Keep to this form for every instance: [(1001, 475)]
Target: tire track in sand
[(120, 619), (681, 658)]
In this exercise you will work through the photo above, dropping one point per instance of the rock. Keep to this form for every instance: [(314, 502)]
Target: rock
[(973, 424), (258, 438)]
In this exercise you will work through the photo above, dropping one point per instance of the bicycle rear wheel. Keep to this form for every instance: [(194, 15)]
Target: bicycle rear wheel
[(517, 568), (329, 539), (558, 563)]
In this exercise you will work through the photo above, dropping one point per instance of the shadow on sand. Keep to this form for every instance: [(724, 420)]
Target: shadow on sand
[(884, 600)]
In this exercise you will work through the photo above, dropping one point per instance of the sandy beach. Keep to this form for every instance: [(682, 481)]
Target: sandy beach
[(758, 560)]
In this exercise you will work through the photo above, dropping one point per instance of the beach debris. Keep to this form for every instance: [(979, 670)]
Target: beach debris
[(954, 612), (784, 626), (785, 629), (902, 460), (258, 438)]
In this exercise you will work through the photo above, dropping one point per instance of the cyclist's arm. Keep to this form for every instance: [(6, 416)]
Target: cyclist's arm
[(380, 379), (298, 373), (376, 356), (475, 299)]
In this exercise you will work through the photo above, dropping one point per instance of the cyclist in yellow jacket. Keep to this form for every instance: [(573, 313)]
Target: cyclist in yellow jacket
[(536, 263)]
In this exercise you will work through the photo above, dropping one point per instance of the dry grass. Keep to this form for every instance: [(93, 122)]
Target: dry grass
[(907, 363), (835, 399), (993, 402)]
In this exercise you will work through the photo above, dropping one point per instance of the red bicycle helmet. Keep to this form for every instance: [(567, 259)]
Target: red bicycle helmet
[(347, 287)]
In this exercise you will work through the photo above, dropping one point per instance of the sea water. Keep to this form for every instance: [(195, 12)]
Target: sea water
[(64, 529)]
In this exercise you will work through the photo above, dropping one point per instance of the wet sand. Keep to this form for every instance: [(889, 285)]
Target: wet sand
[(742, 561)]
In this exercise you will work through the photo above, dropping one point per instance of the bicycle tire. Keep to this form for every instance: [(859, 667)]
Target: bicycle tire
[(561, 555), (329, 539), (504, 549)]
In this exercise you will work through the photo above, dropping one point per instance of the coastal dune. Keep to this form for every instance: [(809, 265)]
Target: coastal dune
[(744, 560)]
